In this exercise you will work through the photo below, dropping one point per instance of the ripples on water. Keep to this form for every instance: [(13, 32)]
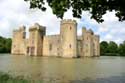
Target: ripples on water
[(61, 70)]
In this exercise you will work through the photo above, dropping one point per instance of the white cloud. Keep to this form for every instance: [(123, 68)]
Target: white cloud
[(16, 12), (110, 30)]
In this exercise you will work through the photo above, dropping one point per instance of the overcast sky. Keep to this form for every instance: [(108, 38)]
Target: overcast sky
[(14, 13)]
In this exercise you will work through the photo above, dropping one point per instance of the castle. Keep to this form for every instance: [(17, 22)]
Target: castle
[(66, 44)]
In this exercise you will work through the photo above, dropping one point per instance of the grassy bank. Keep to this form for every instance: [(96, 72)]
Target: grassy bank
[(7, 78)]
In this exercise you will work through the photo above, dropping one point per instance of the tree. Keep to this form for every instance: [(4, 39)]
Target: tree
[(8, 45), (96, 7), (103, 47), (121, 49), (5, 45), (112, 48)]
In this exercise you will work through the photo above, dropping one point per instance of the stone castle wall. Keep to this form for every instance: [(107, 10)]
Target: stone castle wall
[(18, 41), (65, 44), (37, 33), (51, 45), (96, 45), (79, 46)]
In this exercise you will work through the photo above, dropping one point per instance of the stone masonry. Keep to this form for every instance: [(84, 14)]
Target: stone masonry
[(66, 44)]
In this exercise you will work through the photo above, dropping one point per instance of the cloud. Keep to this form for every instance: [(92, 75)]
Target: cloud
[(110, 30), (16, 12)]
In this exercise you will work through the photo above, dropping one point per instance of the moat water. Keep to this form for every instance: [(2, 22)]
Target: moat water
[(102, 69)]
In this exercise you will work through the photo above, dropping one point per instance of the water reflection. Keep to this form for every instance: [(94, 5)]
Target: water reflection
[(113, 79), (62, 70)]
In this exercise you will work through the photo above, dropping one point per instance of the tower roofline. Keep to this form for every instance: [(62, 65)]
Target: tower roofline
[(97, 36), (90, 31), (36, 26), (68, 21), (84, 27), (21, 28)]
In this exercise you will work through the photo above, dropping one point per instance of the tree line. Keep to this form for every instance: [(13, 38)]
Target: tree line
[(5, 45), (112, 48)]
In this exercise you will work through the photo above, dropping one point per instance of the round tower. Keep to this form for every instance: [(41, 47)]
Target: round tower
[(68, 38)]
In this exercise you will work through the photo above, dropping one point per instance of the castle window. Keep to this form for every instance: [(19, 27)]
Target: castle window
[(24, 35), (28, 48), (50, 47), (32, 50), (70, 27), (70, 46)]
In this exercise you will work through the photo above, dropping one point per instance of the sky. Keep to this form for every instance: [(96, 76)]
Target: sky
[(15, 13)]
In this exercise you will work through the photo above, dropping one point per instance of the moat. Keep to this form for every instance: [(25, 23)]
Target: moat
[(102, 69)]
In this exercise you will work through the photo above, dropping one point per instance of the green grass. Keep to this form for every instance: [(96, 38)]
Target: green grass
[(6, 78)]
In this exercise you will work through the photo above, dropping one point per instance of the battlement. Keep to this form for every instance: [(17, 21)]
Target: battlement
[(21, 28), (16, 30), (97, 36), (68, 21), (84, 29), (90, 31), (36, 26)]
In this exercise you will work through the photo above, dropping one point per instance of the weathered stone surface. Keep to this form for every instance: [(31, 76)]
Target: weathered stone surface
[(66, 44)]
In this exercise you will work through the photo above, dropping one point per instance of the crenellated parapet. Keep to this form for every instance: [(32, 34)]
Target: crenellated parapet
[(19, 33), (68, 21), (21, 28), (97, 37), (83, 30), (91, 32), (36, 26)]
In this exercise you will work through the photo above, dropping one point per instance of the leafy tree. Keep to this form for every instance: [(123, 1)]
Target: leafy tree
[(103, 47), (5, 45), (96, 7), (122, 49), (8, 45), (112, 47)]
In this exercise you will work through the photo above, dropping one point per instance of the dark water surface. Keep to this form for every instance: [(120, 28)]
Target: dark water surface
[(62, 70)]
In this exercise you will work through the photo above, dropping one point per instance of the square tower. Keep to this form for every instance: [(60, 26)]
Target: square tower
[(35, 44)]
